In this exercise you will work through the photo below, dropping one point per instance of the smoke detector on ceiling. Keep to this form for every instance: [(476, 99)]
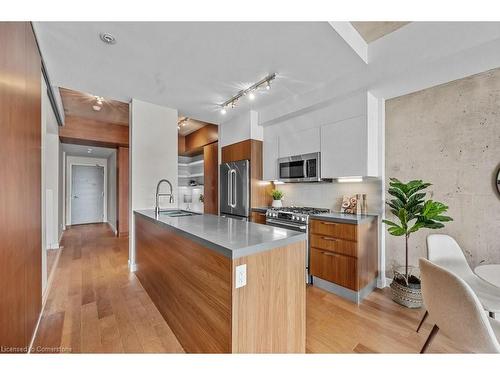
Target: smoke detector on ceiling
[(107, 38)]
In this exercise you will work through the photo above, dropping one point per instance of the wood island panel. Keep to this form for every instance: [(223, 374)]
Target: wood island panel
[(269, 313), (194, 289), (190, 285)]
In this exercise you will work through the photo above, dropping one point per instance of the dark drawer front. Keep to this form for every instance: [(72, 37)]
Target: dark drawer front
[(336, 245), (258, 217), (335, 230), (339, 269)]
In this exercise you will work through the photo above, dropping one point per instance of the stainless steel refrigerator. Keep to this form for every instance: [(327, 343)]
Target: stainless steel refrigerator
[(235, 189)]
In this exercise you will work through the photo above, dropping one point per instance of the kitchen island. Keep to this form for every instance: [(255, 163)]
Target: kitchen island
[(224, 285)]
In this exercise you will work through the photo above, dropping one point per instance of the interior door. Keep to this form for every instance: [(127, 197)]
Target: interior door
[(87, 194)]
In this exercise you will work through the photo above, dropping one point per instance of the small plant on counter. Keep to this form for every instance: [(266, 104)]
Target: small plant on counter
[(412, 212), (277, 196), (201, 198)]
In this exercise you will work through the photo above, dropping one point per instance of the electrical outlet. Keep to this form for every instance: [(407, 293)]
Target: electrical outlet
[(241, 275)]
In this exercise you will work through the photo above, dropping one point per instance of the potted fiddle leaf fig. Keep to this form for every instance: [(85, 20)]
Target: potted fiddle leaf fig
[(412, 213), (277, 196)]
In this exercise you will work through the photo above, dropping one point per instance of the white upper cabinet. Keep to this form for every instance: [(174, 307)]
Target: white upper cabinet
[(270, 158), (301, 142), (344, 150)]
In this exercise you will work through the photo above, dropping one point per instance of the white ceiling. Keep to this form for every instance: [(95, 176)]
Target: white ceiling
[(96, 152), (193, 66)]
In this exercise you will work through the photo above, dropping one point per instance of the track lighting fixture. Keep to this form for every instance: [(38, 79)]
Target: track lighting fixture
[(250, 91), (182, 122), (98, 103)]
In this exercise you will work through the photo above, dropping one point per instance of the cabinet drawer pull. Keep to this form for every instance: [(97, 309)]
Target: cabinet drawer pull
[(328, 223), (328, 253), (329, 239)]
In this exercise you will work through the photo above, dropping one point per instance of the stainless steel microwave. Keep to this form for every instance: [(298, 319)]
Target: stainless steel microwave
[(300, 168)]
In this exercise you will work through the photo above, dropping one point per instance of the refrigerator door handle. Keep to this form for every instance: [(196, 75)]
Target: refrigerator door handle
[(233, 186), (229, 188)]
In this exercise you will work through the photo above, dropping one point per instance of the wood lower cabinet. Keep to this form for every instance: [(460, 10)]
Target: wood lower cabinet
[(344, 254), (336, 268), (258, 217)]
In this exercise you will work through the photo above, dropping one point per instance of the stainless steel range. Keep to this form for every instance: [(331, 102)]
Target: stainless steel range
[(295, 218)]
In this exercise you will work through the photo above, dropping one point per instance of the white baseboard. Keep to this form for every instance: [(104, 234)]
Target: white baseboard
[(45, 294), (113, 228)]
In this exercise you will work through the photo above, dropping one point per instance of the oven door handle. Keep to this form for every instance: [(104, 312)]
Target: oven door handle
[(290, 225)]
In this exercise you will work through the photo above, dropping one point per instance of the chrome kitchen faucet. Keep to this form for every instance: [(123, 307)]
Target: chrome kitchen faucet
[(158, 195)]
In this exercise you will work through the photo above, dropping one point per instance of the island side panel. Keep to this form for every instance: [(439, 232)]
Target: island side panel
[(189, 284), (269, 312)]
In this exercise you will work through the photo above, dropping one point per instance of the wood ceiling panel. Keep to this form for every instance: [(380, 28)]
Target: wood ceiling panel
[(374, 30), (79, 104)]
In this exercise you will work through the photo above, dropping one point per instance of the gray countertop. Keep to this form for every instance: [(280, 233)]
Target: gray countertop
[(339, 217), (230, 237)]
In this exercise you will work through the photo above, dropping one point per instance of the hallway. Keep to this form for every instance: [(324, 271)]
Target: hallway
[(95, 305)]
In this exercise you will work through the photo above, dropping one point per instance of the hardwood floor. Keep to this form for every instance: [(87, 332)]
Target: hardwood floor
[(96, 305)]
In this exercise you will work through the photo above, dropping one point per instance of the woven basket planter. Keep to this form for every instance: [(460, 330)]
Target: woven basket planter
[(407, 296)]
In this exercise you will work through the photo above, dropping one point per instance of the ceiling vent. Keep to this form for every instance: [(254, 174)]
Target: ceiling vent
[(107, 38)]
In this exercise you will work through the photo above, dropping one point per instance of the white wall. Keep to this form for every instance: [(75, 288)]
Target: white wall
[(111, 196), (240, 128), (61, 223), (153, 156), (81, 160), (50, 181), (52, 190)]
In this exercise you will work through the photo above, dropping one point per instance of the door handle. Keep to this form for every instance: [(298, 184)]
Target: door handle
[(229, 189), (328, 223), (329, 239), (233, 188)]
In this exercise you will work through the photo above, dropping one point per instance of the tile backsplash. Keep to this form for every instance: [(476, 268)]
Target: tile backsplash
[(329, 194)]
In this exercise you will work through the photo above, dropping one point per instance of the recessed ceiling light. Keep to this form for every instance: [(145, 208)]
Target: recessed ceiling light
[(107, 38)]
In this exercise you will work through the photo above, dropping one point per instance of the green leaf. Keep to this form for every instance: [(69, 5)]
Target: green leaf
[(397, 231), (391, 223), (398, 193), (443, 218), (417, 186), (403, 217)]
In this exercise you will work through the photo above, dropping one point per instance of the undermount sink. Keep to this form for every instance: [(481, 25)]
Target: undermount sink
[(177, 213)]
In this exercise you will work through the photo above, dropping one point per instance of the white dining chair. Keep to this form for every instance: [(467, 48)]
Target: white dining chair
[(444, 251), (456, 311)]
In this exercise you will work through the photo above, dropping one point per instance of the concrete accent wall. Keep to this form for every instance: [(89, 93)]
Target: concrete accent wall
[(450, 135)]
